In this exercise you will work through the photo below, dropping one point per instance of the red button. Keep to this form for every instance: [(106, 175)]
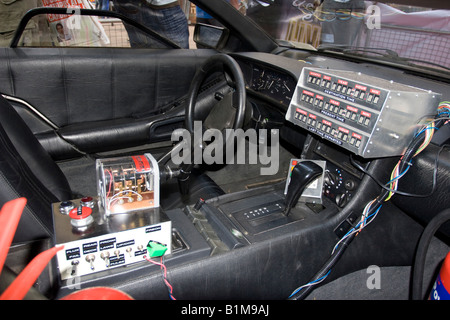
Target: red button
[(86, 199), (80, 213)]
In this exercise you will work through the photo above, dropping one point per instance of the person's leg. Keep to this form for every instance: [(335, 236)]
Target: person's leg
[(174, 26)]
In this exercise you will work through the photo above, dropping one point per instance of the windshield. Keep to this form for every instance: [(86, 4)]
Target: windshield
[(397, 33), (405, 34)]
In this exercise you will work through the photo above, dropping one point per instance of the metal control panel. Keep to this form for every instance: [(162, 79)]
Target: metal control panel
[(368, 116), (94, 241)]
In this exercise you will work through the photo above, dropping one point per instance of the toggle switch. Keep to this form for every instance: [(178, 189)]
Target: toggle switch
[(74, 267), (105, 257), (129, 252), (90, 258)]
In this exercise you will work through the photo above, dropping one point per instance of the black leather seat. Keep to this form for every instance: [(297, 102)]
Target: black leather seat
[(27, 170)]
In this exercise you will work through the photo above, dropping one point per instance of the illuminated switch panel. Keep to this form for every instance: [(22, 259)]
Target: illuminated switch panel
[(369, 116)]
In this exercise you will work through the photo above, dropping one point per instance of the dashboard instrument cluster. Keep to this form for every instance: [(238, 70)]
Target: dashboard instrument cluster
[(272, 83)]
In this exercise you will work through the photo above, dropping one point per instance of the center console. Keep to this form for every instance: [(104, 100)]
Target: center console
[(252, 216)]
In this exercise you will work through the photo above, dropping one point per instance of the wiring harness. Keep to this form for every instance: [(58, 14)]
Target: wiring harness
[(164, 275), (420, 141)]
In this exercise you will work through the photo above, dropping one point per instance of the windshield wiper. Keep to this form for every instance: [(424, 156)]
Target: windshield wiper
[(388, 54)]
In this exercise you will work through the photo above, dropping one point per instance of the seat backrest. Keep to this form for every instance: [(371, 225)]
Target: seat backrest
[(27, 170)]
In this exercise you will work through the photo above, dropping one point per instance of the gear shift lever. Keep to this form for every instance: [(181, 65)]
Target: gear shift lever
[(302, 175)]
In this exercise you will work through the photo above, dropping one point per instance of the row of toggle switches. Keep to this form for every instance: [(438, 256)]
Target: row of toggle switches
[(110, 260)]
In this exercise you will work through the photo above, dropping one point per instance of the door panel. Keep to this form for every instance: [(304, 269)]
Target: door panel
[(97, 96)]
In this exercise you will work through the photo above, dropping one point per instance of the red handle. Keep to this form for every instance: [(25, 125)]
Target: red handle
[(9, 219), (20, 286)]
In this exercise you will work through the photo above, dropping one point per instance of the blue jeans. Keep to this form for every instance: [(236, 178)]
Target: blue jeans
[(171, 23), (102, 5)]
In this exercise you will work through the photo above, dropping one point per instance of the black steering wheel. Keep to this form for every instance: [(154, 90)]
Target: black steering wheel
[(228, 113), (229, 110)]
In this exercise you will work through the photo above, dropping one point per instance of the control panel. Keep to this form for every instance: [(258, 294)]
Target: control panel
[(369, 116), (94, 242), (339, 185)]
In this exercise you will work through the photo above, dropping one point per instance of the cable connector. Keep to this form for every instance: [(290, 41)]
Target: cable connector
[(156, 249)]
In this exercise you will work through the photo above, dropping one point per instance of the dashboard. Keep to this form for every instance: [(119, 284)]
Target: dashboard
[(360, 124)]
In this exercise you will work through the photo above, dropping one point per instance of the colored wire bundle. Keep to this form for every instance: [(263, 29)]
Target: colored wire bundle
[(366, 218), (164, 274), (420, 141), (312, 283), (444, 109), (427, 131)]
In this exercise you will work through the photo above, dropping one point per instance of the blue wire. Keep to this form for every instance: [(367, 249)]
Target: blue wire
[(400, 175), (376, 212), (309, 283), (423, 130), (326, 275), (354, 228)]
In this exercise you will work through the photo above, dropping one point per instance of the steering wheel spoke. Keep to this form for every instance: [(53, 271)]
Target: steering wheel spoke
[(222, 114)]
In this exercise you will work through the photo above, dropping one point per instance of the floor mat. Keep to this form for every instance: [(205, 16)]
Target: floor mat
[(394, 283)]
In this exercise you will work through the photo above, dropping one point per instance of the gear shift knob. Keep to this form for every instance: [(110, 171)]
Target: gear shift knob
[(302, 175)]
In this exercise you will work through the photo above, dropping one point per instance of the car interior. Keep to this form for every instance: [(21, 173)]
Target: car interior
[(234, 232)]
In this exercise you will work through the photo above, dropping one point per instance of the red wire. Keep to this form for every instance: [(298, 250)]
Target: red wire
[(110, 182), (164, 275)]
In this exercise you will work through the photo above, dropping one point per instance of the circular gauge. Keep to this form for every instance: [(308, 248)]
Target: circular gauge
[(276, 85), (258, 79), (260, 84)]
